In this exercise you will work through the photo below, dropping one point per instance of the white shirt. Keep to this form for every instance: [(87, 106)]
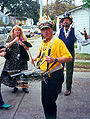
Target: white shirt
[(77, 34)]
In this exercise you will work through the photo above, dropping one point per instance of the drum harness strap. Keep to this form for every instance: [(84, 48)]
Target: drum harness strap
[(57, 67)]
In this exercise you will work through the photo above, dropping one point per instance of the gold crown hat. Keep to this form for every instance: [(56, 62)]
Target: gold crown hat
[(45, 22)]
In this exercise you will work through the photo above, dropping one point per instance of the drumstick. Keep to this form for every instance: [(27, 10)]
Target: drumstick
[(42, 62), (31, 57)]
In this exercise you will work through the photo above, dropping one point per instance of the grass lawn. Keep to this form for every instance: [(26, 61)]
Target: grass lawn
[(82, 65), (82, 56)]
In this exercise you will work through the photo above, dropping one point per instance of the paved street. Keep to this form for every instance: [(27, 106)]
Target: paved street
[(28, 106)]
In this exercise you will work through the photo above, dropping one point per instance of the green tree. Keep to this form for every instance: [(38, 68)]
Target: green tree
[(59, 7), (21, 8), (7, 3), (86, 3)]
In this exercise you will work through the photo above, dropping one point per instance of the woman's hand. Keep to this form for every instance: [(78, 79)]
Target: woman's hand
[(21, 43), (16, 39), (2, 54), (12, 42), (26, 47), (2, 50)]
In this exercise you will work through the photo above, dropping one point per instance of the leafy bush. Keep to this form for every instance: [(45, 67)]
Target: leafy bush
[(1, 23)]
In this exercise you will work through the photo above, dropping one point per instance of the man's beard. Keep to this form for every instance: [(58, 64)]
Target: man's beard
[(66, 25)]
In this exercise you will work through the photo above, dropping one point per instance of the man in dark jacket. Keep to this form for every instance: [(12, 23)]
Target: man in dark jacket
[(68, 34)]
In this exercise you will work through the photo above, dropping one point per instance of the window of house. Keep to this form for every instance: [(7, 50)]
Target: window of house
[(1, 18), (6, 20)]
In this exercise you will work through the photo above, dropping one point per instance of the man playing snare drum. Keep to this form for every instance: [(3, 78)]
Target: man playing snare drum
[(52, 53)]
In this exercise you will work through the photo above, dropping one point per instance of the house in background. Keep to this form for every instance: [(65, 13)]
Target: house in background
[(81, 20), (21, 20), (4, 18)]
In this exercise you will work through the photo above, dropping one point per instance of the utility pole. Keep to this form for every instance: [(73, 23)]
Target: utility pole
[(51, 6), (47, 7), (15, 16), (40, 8), (47, 2)]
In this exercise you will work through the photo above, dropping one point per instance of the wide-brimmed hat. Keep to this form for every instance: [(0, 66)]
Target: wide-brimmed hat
[(45, 22), (67, 15)]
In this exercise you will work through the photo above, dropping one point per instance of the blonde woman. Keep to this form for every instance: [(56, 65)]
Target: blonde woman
[(18, 55)]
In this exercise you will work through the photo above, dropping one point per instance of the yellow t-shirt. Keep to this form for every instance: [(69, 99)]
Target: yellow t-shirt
[(58, 49)]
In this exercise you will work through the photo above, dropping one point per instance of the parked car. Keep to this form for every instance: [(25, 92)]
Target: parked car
[(36, 29), (26, 30), (8, 28), (3, 30)]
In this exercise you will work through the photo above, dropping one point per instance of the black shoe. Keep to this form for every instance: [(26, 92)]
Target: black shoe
[(15, 90), (25, 90)]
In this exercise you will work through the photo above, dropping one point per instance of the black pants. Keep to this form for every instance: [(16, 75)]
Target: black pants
[(1, 100), (49, 92)]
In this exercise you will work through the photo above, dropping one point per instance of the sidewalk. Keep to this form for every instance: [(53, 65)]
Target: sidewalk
[(82, 60), (28, 106)]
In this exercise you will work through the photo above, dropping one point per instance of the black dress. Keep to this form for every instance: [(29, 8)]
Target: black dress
[(17, 62)]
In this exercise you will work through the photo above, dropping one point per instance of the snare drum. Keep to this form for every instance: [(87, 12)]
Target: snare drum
[(7, 80), (19, 79)]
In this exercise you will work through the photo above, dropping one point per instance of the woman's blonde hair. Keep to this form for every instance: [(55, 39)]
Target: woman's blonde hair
[(22, 36)]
